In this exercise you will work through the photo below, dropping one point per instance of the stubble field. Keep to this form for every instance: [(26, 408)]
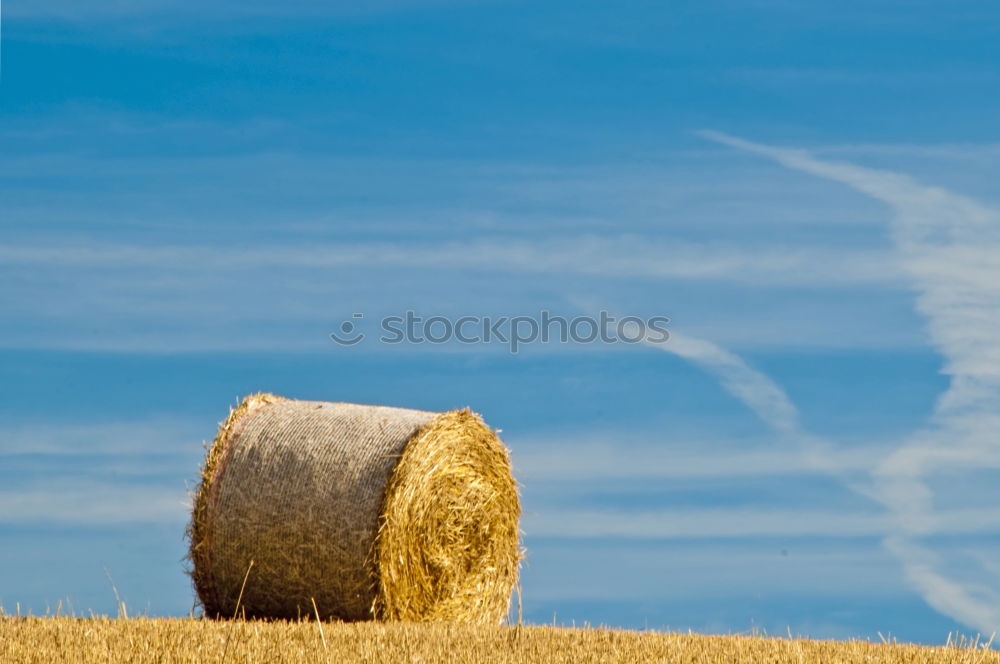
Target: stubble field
[(197, 641)]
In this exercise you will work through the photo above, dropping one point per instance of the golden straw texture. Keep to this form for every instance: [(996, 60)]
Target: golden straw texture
[(143, 641), (367, 511), (447, 548)]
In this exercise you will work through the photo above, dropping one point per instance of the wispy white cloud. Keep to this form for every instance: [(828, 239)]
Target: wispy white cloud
[(850, 567), (608, 256), (105, 489), (975, 605), (93, 504), (753, 388), (744, 522), (591, 456), (765, 398), (224, 8), (977, 152), (949, 246), (164, 298), (156, 435)]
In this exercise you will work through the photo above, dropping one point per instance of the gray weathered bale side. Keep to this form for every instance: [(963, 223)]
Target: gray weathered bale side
[(298, 490)]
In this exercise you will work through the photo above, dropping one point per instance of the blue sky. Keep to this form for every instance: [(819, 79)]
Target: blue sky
[(192, 197)]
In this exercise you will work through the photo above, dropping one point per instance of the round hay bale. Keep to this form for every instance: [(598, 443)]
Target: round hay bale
[(368, 511)]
